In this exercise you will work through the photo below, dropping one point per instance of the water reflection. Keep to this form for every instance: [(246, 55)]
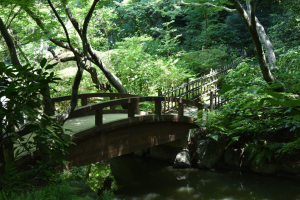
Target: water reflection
[(162, 182)]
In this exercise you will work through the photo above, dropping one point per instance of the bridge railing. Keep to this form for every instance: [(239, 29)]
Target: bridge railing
[(84, 97), (98, 109), (133, 106), (198, 88)]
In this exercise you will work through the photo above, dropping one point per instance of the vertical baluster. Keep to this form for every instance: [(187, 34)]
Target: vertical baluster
[(99, 117), (158, 107), (165, 104), (211, 101), (131, 108), (112, 107), (168, 102), (172, 105), (187, 89), (215, 99), (83, 101), (180, 108)]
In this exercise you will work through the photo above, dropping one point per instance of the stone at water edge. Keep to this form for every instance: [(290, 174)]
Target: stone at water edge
[(291, 167), (208, 152), (237, 157), (182, 160), (264, 168)]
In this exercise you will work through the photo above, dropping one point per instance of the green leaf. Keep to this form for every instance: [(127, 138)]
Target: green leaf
[(296, 117), (274, 94), (43, 62), (51, 66), (291, 103), (253, 90)]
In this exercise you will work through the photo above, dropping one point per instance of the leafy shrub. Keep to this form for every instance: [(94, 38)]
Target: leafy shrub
[(142, 73), (53, 192), (256, 117), (288, 71), (202, 61)]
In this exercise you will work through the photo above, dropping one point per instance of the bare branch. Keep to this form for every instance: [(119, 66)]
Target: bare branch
[(209, 4), (10, 44), (78, 76), (20, 49), (85, 26), (72, 19)]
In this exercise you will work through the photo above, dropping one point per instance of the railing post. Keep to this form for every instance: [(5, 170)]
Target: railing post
[(215, 96), (83, 101), (211, 102), (99, 117), (53, 104), (180, 108), (158, 107), (137, 107), (159, 92), (112, 107), (187, 89), (131, 108)]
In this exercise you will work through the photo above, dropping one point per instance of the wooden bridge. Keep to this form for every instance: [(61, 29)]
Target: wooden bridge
[(101, 133)]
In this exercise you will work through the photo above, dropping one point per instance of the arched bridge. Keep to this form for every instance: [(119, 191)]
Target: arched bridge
[(102, 133)]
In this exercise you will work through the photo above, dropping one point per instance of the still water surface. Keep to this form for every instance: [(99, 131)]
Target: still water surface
[(158, 180)]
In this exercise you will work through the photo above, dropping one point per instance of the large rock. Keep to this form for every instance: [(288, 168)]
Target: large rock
[(237, 157), (265, 168), (291, 167), (183, 159), (208, 152), (82, 189)]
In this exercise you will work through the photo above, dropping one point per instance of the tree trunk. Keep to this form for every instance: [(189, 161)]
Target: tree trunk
[(258, 35), (250, 21)]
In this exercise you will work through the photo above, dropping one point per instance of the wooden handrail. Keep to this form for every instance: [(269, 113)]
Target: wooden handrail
[(132, 103), (199, 87)]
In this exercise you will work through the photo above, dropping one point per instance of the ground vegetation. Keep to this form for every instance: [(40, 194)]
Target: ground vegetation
[(138, 47)]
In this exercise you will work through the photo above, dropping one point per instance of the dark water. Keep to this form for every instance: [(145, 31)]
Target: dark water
[(157, 180)]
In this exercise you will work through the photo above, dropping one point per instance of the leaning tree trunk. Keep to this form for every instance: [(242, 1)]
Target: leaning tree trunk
[(250, 21), (263, 38)]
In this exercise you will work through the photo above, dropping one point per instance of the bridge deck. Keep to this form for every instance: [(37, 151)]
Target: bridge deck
[(78, 124)]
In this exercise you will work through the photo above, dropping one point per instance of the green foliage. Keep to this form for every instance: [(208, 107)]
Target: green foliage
[(201, 62), (10, 179), (288, 71), (141, 72), (99, 172), (256, 117), (107, 195), (21, 108), (53, 192)]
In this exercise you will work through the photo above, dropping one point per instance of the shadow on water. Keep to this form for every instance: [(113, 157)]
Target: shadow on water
[(156, 180)]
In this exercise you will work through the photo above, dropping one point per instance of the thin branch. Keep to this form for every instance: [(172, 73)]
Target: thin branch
[(10, 44), (209, 4), (85, 26), (253, 15), (20, 49), (72, 19), (10, 13), (78, 76), (8, 24)]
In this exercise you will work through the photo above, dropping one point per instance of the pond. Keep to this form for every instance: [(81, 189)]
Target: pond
[(157, 180)]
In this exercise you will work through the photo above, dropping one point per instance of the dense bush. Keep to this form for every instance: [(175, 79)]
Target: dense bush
[(142, 73), (202, 61), (255, 117)]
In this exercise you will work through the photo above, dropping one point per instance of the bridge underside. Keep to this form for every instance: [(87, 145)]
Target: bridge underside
[(125, 140)]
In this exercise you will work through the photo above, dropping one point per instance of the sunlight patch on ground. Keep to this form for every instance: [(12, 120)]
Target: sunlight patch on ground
[(82, 123), (67, 72)]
